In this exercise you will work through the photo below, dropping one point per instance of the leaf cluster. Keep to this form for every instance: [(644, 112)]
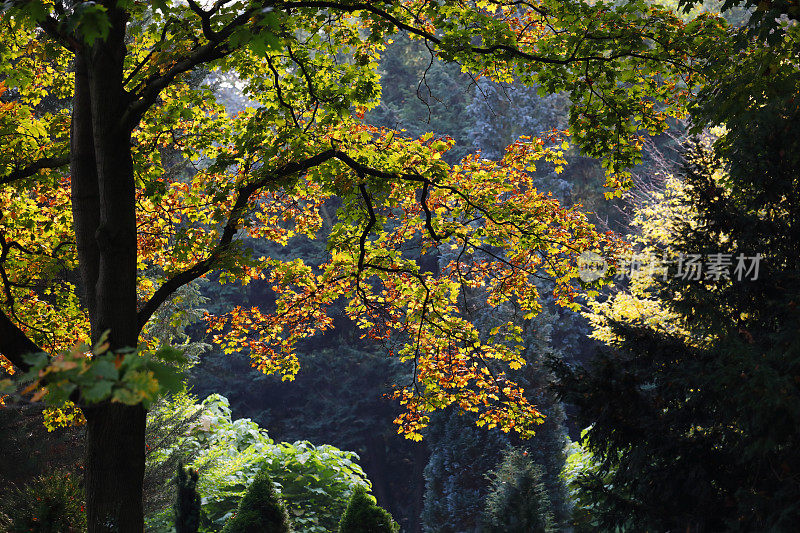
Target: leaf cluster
[(125, 376)]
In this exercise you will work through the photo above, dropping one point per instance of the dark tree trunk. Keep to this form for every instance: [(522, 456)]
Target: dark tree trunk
[(85, 193), (104, 209), (115, 289), (114, 470)]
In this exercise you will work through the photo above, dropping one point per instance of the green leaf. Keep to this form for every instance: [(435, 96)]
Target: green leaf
[(168, 354), (126, 396), (6, 386), (105, 369), (92, 22), (169, 378), (39, 359), (98, 392), (263, 42), (36, 10)]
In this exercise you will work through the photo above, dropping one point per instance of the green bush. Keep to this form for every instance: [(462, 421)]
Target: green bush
[(260, 510), (315, 482), (47, 504), (364, 516)]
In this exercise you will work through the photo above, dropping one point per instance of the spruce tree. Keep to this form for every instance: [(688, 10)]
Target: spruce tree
[(364, 516), (455, 482), (695, 407), (261, 510), (517, 501)]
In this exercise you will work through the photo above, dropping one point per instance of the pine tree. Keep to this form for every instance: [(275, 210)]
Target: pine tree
[(261, 510), (364, 516), (517, 501)]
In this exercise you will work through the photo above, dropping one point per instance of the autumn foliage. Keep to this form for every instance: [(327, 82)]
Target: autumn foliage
[(208, 178)]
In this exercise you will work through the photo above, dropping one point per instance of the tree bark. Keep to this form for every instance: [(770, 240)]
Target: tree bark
[(115, 290), (114, 470), (14, 344), (104, 209), (84, 187)]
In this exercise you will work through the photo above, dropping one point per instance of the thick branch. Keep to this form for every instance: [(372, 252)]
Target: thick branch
[(216, 48), (33, 168), (14, 344), (52, 28), (205, 21), (85, 192)]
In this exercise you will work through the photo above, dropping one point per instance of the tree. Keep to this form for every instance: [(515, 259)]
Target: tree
[(76, 250), (455, 484), (314, 482), (187, 503), (261, 510), (364, 516), (517, 501), (693, 406), (169, 420)]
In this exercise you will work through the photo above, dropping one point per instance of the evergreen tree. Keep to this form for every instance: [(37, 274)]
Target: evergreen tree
[(462, 455), (187, 504), (501, 113), (364, 516), (261, 510), (547, 448), (455, 483), (422, 94), (517, 501), (695, 409)]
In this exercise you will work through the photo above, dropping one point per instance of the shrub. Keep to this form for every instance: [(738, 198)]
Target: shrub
[(260, 510), (315, 482), (364, 516), (47, 504), (169, 421)]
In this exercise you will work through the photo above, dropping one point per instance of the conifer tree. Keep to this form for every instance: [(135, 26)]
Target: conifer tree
[(364, 516), (187, 505), (695, 406), (455, 483), (261, 510), (517, 500)]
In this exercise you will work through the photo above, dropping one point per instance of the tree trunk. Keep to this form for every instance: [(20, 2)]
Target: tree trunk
[(114, 470), (104, 209), (84, 191)]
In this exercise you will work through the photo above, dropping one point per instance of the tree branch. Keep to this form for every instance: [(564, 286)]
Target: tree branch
[(228, 233), (14, 344), (33, 168), (52, 28), (495, 49), (215, 48)]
